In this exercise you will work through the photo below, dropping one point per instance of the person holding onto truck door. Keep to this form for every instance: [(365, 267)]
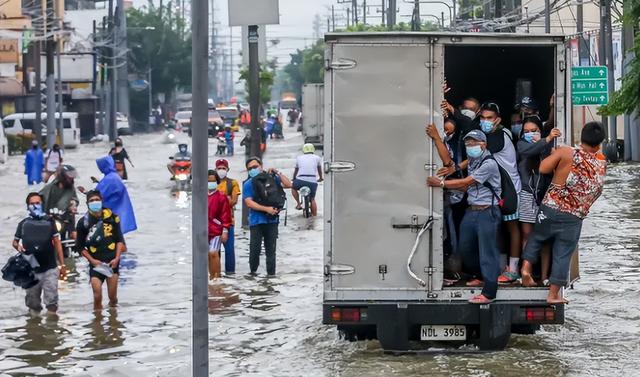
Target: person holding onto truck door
[(578, 180), (455, 205), (532, 149), (477, 245)]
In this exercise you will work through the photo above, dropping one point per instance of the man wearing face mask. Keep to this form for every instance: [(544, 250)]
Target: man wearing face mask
[(479, 229), (263, 217), (466, 120), (101, 242), (33, 164), (59, 193), (231, 189), (37, 235)]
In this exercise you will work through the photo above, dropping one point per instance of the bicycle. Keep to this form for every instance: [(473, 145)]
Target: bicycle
[(305, 193)]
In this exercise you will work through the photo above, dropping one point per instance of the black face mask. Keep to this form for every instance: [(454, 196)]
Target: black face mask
[(34, 147), (118, 144)]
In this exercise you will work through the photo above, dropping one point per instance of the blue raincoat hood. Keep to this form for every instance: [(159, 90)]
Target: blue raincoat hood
[(115, 195), (106, 165)]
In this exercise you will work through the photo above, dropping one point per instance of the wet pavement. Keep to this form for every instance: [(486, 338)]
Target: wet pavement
[(272, 327)]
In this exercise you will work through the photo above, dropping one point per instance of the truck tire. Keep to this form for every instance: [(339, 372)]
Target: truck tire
[(355, 333)]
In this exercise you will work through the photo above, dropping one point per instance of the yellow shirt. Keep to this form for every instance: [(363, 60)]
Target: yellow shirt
[(235, 190)]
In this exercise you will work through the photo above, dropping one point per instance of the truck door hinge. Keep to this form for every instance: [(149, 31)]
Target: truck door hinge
[(338, 269), (342, 64), (562, 65), (431, 65), (382, 270), (339, 166)]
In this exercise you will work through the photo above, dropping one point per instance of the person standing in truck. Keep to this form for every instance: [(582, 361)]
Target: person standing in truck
[(578, 180), (477, 244)]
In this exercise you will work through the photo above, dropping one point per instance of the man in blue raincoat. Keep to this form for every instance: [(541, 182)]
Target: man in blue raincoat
[(33, 164), (115, 195)]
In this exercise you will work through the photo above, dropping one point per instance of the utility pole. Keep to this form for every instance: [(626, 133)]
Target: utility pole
[(333, 17), (121, 63), (111, 64), (51, 99), (60, 108), (37, 128), (354, 6), (583, 48), (613, 126), (214, 54), (602, 51), (384, 12), (415, 21), (547, 17), (391, 19), (364, 12), (348, 17), (254, 91), (631, 124), (199, 243)]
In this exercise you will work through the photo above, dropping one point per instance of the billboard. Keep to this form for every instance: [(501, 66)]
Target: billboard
[(253, 12), (75, 67), (9, 51)]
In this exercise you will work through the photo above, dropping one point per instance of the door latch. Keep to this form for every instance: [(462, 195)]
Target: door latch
[(382, 270)]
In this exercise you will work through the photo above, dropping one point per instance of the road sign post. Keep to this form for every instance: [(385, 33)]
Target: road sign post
[(589, 86)]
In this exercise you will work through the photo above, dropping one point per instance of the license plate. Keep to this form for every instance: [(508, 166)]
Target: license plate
[(443, 332)]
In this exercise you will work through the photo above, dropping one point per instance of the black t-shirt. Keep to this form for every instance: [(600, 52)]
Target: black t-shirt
[(119, 156), (45, 229), (101, 242)]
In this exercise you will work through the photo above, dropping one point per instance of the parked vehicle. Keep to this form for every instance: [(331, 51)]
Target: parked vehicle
[(183, 120), (122, 125), (313, 112), (228, 114), (23, 123), (216, 124), (287, 102), (4, 146), (384, 258)]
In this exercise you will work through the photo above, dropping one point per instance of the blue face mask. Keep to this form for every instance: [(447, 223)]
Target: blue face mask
[(95, 207), (212, 186), (516, 129), (529, 136), (486, 126), (35, 210), (253, 172), (474, 151)]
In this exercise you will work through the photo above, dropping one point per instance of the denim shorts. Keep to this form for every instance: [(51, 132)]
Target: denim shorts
[(299, 183)]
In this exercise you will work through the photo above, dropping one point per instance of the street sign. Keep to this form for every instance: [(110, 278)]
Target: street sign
[(589, 85), (254, 12)]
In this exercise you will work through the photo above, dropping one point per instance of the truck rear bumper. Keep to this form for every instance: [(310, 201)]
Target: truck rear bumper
[(396, 323)]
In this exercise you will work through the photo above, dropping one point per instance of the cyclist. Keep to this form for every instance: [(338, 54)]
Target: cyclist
[(308, 172)]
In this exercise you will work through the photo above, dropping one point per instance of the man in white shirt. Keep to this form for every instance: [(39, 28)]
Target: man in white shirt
[(308, 172), (53, 160)]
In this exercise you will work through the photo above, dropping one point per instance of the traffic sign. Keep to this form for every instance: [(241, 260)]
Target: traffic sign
[(589, 85)]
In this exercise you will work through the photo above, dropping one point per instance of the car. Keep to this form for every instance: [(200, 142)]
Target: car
[(22, 123), (229, 115), (216, 124), (182, 120), (4, 146), (122, 125)]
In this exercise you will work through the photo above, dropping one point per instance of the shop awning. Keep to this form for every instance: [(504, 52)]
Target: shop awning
[(10, 87)]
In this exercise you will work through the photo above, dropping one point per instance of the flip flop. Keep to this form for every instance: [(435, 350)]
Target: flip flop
[(299, 207), (481, 299), (528, 281), (475, 283), (562, 301)]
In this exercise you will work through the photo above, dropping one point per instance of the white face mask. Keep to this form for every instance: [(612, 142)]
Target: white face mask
[(222, 173), (468, 113)]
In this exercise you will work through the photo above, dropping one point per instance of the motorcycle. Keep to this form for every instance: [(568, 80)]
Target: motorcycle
[(182, 172), (63, 221)]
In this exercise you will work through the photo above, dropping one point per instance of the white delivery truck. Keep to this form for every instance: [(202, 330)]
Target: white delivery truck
[(313, 114), (383, 239)]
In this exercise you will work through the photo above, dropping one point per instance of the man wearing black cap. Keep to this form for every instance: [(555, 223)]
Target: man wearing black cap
[(479, 229)]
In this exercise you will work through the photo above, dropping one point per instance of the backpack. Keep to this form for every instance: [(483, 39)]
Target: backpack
[(508, 200), (230, 183), (267, 191), (36, 235)]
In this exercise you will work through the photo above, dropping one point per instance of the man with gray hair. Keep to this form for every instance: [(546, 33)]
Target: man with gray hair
[(477, 245)]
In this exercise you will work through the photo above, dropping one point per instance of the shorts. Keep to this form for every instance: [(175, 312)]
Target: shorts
[(96, 274), (527, 207), (299, 183), (214, 244)]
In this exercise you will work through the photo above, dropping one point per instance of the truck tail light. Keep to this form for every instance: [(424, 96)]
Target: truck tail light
[(348, 314), (540, 314)]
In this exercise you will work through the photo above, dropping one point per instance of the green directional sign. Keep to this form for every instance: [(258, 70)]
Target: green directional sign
[(589, 85)]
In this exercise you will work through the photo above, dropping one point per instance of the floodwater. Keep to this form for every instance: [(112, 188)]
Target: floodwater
[(272, 327)]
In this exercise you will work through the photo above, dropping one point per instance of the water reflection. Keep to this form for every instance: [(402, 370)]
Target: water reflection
[(106, 334), (222, 298)]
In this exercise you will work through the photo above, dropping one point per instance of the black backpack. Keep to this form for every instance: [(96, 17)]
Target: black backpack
[(36, 235), (267, 192), (508, 200)]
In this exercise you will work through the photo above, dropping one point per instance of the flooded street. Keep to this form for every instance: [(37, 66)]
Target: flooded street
[(272, 327)]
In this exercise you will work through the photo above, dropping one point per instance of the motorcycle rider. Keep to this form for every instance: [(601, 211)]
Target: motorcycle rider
[(182, 155), (308, 172)]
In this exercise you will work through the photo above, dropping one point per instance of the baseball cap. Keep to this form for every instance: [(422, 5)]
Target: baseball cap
[(476, 135), (222, 162), (68, 171)]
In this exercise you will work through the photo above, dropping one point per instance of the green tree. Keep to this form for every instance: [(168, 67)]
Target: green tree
[(157, 41), (627, 99), (402, 26), (267, 75), (306, 67)]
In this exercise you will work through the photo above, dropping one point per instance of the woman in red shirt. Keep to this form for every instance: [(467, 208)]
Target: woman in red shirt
[(219, 221)]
